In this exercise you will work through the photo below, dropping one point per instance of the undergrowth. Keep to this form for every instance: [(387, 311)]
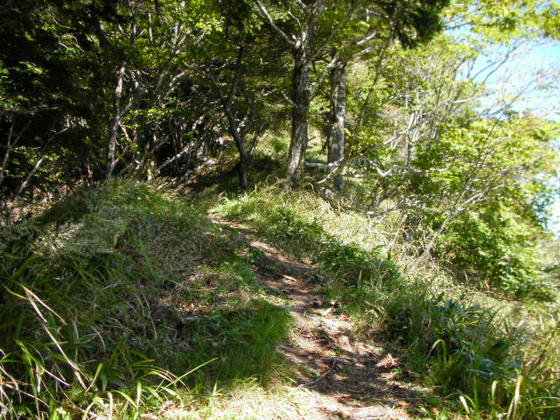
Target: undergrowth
[(470, 347), (123, 299)]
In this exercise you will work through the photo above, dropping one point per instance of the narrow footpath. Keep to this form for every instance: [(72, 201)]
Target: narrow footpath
[(350, 375)]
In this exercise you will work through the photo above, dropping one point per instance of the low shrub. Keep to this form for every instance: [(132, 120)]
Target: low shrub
[(459, 346)]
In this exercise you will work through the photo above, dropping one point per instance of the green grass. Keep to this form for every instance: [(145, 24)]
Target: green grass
[(125, 299), (121, 296), (463, 343)]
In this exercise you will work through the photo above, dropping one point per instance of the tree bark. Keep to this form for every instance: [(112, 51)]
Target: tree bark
[(300, 44), (337, 115), (242, 171), (301, 97), (116, 122), (239, 138)]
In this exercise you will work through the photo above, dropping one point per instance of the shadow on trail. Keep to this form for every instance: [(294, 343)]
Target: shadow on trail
[(357, 375), (132, 282), (458, 345)]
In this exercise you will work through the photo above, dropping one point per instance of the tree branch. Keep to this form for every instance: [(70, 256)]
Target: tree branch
[(274, 26)]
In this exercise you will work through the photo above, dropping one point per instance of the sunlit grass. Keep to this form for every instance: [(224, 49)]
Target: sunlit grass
[(132, 303), (463, 342), (126, 300)]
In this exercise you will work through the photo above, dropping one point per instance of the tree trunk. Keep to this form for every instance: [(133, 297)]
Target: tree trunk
[(337, 115), (242, 170), (116, 122), (301, 97), (239, 137)]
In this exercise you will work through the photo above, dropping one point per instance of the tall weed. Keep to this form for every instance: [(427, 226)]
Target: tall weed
[(102, 313)]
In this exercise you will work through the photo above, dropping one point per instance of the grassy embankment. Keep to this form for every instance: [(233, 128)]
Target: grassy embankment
[(125, 299)]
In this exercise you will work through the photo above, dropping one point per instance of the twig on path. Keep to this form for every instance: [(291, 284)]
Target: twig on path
[(316, 380), (336, 362)]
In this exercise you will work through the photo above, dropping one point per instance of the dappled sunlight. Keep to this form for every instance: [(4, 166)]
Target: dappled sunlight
[(397, 307), (163, 284), (351, 377), (222, 313)]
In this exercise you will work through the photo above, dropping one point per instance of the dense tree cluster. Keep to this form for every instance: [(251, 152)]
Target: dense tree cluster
[(138, 86), (94, 89)]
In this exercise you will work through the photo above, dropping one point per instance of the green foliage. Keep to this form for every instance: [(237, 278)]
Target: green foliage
[(508, 19), (495, 251), (463, 344), (460, 198), (52, 67), (343, 260), (473, 190)]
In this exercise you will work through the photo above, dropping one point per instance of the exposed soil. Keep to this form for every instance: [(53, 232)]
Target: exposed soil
[(353, 377)]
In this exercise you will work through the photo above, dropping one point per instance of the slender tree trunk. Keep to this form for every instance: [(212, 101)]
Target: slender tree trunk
[(301, 45), (301, 97), (338, 113), (243, 164), (242, 169), (11, 143), (9, 146), (32, 172), (116, 122), (239, 137)]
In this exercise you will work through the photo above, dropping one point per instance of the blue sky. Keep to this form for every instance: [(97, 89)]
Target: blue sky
[(535, 69)]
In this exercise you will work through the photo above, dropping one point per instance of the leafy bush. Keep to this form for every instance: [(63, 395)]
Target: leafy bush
[(497, 251)]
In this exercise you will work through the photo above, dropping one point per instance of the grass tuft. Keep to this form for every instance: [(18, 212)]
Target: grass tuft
[(126, 305)]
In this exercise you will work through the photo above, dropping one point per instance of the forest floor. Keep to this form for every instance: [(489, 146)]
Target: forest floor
[(351, 376)]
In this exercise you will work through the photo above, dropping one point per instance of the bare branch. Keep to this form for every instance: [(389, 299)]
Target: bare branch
[(177, 156), (273, 24), (316, 165), (294, 17), (23, 185), (287, 98), (335, 168), (302, 5), (10, 145), (329, 66), (366, 39), (364, 51)]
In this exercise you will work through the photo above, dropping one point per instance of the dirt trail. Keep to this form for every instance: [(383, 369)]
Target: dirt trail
[(351, 376)]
